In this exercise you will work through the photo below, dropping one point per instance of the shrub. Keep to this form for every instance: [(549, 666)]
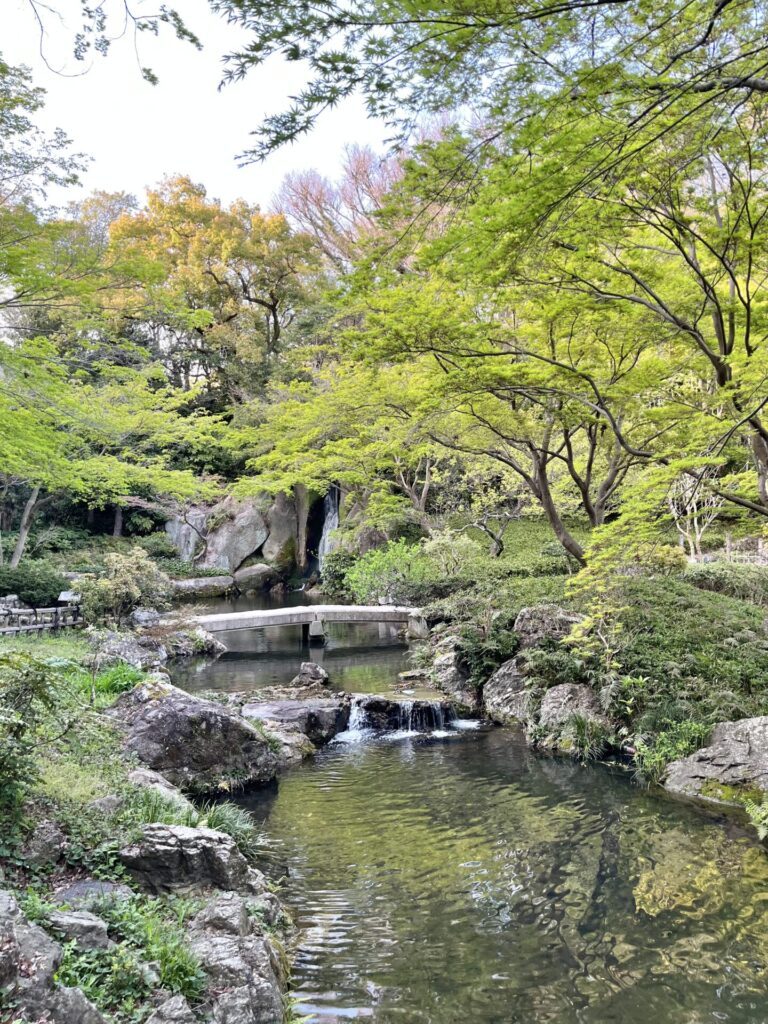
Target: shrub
[(37, 583), (588, 739), (736, 579), (236, 822), (336, 566), (485, 648), (758, 815), (176, 568), (117, 679), (158, 545), (128, 581), (398, 573), (26, 692)]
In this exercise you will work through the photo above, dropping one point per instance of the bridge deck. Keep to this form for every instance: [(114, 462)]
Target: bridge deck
[(302, 614)]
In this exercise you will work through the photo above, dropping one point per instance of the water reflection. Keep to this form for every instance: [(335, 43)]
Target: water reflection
[(359, 657), (470, 881)]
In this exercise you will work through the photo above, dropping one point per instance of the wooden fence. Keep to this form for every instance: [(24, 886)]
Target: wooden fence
[(31, 620)]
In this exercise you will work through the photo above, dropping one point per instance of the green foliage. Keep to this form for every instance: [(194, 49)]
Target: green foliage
[(128, 581), (149, 937), (117, 679), (36, 582), (27, 693), (176, 568), (235, 822), (483, 648), (159, 545), (587, 738), (399, 573), (336, 566), (675, 740), (736, 579), (758, 816)]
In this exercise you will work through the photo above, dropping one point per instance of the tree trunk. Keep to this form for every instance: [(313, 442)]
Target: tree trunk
[(117, 529), (562, 533), (26, 524)]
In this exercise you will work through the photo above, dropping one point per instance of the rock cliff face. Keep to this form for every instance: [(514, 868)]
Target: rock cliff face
[(236, 532)]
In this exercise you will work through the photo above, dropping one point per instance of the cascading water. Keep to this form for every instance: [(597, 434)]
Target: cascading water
[(391, 718), (330, 523)]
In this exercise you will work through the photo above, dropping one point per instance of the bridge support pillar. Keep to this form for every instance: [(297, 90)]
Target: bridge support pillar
[(316, 633)]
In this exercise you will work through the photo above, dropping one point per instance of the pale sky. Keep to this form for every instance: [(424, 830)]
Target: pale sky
[(137, 133)]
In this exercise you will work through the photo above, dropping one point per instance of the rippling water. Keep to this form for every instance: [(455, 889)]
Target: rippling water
[(467, 881)]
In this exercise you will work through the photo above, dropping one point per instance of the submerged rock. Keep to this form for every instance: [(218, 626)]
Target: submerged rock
[(196, 744), (310, 674), (735, 759)]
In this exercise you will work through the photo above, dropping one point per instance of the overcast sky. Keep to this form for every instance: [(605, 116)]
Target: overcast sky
[(137, 133)]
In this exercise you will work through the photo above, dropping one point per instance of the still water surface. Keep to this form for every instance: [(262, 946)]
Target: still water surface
[(465, 880)]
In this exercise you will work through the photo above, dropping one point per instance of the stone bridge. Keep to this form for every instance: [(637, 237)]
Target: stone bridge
[(313, 618)]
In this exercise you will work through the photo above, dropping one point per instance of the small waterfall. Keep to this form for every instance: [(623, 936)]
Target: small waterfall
[(330, 523), (394, 719)]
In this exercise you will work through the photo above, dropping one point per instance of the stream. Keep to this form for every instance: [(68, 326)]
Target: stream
[(458, 878)]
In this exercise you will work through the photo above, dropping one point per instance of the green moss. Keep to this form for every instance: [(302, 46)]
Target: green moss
[(731, 794)]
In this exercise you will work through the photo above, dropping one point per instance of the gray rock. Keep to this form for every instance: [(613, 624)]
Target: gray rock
[(204, 586), (319, 720), (173, 1011), (145, 778), (113, 648), (255, 577), (736, 756), (45, 844), (310, 674), (145, 617), (504, 695), (186, 535), (174, 857), (240, 535), (280, 546), (244, 970), (560, 703), (80, 926), (190, 641), (544, 622), (226, 912), (449, 673), (196, 744), (107, 805), (89, 891), (29, 959)]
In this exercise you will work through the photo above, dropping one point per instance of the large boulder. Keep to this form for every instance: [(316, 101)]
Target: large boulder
[(168, 858), (196, 744), (450, 675), (282, 521), (240, 533), (735, 760), (187, 534), (204, 586), (114, 648), (561, 703), (543, 622), (319, 720), (505, 696), (255, 577), (29, 960)]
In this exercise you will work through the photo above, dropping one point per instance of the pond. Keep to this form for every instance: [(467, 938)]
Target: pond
[(463, 879)]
